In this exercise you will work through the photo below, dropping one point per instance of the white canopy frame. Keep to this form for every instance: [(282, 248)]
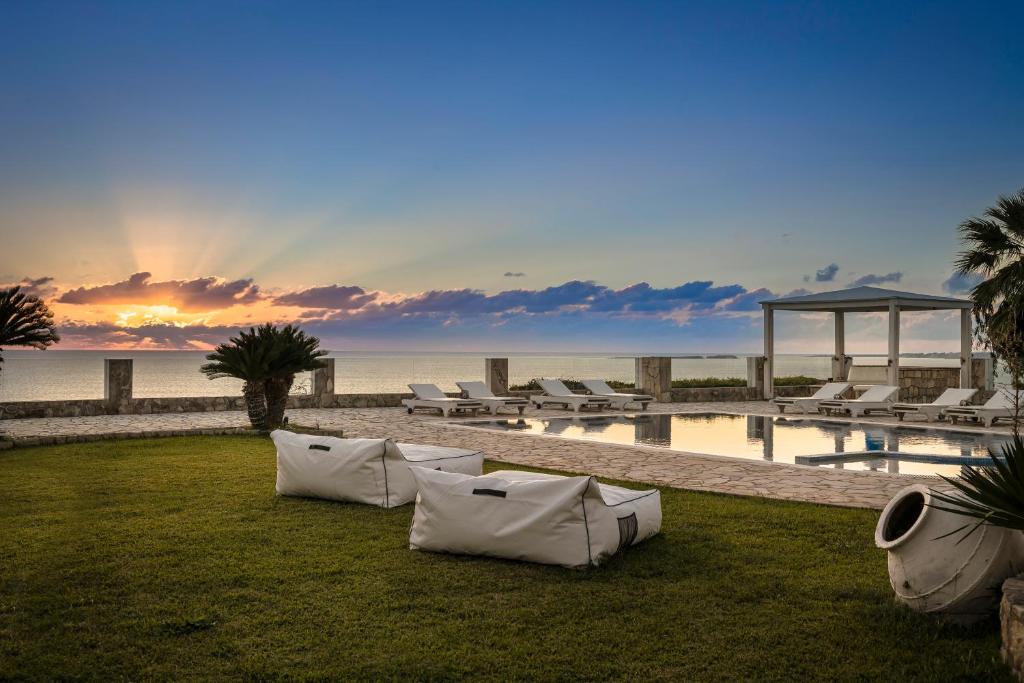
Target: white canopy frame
[(865, 300)]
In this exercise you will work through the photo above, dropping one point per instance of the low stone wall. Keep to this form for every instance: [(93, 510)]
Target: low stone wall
[(713, 394), (924, 385), (706, 394), (70, 408), (368, 400), (183, 404), (205, 404), (7, 443), (928, 383)]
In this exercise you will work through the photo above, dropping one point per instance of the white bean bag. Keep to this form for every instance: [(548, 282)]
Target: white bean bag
[(371, 471), (546, 518)]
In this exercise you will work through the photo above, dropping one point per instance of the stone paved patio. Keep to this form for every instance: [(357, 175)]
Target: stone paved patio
[(641, 464)]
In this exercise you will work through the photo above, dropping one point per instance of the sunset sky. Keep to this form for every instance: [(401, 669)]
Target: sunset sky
[(497, 176)]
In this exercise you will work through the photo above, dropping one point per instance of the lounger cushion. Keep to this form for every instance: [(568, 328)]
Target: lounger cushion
[(599, 387), (550, 519), (371, 471), (555, 387), (428, 392)]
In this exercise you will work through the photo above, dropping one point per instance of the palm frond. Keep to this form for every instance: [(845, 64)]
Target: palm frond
[(992, 495), (25, 321)]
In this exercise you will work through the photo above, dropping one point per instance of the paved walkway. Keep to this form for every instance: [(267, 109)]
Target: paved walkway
[(640, 464)]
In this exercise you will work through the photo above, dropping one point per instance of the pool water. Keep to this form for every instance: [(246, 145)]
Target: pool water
[(804, 441)]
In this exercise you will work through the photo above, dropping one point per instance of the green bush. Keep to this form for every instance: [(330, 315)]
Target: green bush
[(534, 385), (797, 381), (794, 381), (708, 382)]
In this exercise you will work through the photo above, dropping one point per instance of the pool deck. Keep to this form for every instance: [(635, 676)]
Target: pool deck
[(634, 463)]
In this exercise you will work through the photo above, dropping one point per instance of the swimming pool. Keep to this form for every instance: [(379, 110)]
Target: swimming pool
[(798, 440)]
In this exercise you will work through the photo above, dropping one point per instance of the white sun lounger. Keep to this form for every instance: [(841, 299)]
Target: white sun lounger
[(430, 397), (556, 393), (598, 387), (936, 409), (999, 406), (478, 391), (546, 518), (809, 404), (878, 398), (370, 471)]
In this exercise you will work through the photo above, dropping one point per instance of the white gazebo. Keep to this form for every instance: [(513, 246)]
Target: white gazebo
[(866, 300)]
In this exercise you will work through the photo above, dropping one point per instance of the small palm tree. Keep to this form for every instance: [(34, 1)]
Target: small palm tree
[(246, 357), (25, 321), (294, 352), (991, 495)]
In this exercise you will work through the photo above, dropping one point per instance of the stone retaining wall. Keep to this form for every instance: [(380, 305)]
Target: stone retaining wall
[(205, 404), (924, 385), (83, 437), (1011, 621), (712, 394), (183, 404)]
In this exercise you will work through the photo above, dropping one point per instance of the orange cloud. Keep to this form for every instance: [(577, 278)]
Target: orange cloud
[(190, 296)]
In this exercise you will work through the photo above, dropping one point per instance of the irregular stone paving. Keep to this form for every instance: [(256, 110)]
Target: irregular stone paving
[(641, 464)]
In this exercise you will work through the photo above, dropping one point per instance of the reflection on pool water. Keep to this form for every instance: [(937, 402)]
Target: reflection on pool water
[(805, 441)]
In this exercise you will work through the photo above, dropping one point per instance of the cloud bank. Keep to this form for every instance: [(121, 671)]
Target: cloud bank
[(577, 315), (580, 313), (200, 294), (42, 287), (872, 279)]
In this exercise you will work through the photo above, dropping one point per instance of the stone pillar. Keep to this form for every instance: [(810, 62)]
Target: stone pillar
[(840, 369), (983, 372), (117, 385), (755, 373), (769, 351), (322, 387), (894, 344), (966, 337), (496, 375), (654, 377)]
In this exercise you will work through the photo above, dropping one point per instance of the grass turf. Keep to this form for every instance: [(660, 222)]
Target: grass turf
[(172, 558)]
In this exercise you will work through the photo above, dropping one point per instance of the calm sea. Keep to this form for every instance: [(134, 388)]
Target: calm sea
[(53, 375)]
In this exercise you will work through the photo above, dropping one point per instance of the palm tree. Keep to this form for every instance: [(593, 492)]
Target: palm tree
[(25, 321), (995, 251), (246, 357), (294, 352), (266, 359)]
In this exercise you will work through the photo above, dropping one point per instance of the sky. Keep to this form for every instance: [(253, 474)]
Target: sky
[(498, 176)]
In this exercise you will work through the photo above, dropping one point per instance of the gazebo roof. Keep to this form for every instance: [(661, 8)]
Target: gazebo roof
[(865, 299)]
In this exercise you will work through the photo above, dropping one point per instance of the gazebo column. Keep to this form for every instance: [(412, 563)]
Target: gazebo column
[(966, 331), (839, 370), (769, 352), (894, 343)]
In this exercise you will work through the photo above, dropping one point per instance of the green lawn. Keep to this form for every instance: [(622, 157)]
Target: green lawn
[(171, 558)]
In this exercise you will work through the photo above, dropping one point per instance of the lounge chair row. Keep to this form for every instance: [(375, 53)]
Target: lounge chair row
[(829, 399), (952, 404), (551, 519), (481, 398)]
